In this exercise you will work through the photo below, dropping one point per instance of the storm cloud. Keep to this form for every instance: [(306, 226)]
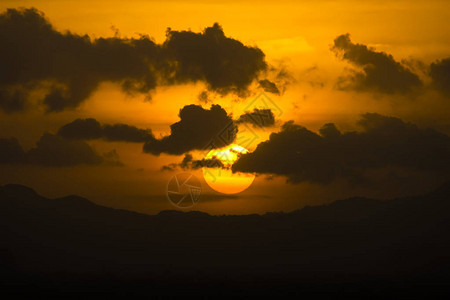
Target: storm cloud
[(303, 155), (67, 68), (88, 129), (198, 129), (379, 71)]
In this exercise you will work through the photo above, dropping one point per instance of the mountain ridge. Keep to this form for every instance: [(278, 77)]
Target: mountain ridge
[(348, 243)]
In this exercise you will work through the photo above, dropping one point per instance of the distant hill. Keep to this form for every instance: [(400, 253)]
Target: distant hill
[(356, 246)]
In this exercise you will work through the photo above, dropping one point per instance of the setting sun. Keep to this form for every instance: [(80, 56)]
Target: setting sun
[(232, 148), (223, 180)]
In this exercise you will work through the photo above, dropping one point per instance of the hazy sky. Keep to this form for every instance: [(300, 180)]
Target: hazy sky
[(331, 62)]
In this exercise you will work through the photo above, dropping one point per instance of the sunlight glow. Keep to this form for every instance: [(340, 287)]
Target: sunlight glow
[(223, 180)]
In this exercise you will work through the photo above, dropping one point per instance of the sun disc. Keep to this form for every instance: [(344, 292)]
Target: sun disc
[(224, 180)]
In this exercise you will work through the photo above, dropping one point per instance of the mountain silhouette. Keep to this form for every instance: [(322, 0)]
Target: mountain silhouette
[(356, 246)]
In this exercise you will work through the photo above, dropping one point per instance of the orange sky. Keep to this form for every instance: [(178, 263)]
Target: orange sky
[(296, 35)]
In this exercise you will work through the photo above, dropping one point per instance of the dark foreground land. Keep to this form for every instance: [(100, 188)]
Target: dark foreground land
[(365, 247)]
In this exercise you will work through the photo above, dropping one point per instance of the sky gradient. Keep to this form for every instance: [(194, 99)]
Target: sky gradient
[(107, 100)]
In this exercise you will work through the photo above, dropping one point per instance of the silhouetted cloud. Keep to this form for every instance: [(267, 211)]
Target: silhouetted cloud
[(198, 129), (258, 118), (303, 155), (69, 67), (440, 74), (269, 86), (380, 72), (82, 129), (189, 162), (55, 151), (225, 64), (126, 133), (329, 130), (87, 129), (11, 151)]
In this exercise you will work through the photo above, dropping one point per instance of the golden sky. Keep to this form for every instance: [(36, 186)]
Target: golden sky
[(296, 37)]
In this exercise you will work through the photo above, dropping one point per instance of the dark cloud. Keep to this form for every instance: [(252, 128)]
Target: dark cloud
[(189, 162), (225, 64), (198, 129), (169, 167), (303, 155), (87, 129), (11, 151), (126, 133), (54, 150), (380, 72), (69, 67), (329, 130), (269, 86), (440, 74), (258, 118), (82, 129)]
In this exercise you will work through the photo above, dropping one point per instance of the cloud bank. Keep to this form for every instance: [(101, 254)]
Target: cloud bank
[(54, 151), (67, 68), (88, 129), (303, 155)]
